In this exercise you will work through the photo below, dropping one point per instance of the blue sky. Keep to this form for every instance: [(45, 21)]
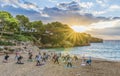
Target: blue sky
[(93, 14)]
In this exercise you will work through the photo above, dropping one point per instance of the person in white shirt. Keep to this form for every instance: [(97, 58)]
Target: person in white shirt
[(38, 59), (69, 61)]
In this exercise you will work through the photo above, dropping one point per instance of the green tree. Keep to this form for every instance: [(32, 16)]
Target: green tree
[(8, 23), (54, 33), (37, 25), (23, 21), (13, 25)]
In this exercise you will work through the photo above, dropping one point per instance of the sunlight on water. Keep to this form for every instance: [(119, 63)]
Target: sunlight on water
[(107, 50)]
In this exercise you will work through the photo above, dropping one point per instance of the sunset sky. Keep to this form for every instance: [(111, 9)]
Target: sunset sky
[(101, 18)]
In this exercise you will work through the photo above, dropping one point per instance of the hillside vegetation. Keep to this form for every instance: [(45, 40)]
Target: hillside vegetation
[(54, 34)]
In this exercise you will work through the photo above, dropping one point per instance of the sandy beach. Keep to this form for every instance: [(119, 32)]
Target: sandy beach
[(98, 68)]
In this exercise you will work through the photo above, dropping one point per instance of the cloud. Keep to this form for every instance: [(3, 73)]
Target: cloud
[(102, 3), (23, 5), (75, 5), (72, 6), (71, 13), (104, 24), (86, 4), (108, 37), (8, 2), (106, 29), (99, 12), (54, 1), (69, 16), (114, 7), (111, 8), (17, 3)]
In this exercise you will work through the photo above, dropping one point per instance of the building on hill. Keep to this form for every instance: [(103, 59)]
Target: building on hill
[(24, 29)]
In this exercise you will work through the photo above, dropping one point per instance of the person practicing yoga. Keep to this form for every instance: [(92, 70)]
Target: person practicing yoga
[(38, 59), (30, 57), (69, 61), (19, 60), (6, 58), (89, 61)]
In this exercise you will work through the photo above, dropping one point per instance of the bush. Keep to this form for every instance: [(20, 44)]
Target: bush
[(11, 50), (6, 43), (66, 44), (23, 38), (18, 37), (1, 49)]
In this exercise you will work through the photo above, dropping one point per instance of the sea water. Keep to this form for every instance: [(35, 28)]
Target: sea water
[(109, 49)]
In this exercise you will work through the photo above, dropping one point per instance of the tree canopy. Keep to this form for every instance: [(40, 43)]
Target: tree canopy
[(54, 34)]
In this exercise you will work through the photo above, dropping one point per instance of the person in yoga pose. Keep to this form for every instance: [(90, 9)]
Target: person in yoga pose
[(6, 58), (30, 57), (19, 60), (89, 61), (69, 61), (38, 59)]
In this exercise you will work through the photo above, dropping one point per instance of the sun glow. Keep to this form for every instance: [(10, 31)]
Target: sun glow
[(79, 28)]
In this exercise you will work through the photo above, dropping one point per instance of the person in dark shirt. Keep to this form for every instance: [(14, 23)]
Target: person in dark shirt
[(56, 59), (19, 60), (30, 57), (6, 58)]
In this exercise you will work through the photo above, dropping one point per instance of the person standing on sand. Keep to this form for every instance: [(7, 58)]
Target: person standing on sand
[(16, 55), (83, 61), (69, 61), (75, 57), (64, 58), (53, 57), (30, 56), (6, 58), (44, 57), (56, 59), (38, 59)]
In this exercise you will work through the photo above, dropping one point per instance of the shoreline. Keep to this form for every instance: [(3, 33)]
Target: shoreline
[(79, 56)]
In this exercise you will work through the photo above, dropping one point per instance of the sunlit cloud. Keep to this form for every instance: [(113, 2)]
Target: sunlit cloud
[(104, 24), (107, 30), (103, 29), (96, 26), (79, 28)]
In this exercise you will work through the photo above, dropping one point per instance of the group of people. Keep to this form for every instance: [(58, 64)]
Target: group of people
[(43, 57)]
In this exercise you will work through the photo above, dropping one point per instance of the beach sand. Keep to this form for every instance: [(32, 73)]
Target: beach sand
[(98, 68)]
